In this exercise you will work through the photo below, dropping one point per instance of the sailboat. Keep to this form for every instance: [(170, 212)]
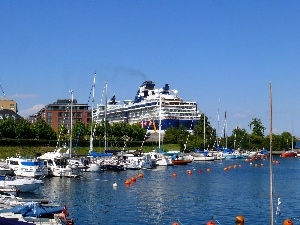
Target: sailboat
[(114, 163), (61, 164)]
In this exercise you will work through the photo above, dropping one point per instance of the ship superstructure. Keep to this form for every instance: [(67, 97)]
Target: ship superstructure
[(150, 108)]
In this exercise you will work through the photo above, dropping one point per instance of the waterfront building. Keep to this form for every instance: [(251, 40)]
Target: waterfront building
[(58, 113)]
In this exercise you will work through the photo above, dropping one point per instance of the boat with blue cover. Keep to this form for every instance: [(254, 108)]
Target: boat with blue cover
[(27, 167)]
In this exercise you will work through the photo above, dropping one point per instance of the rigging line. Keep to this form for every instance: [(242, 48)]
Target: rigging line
[(81, 125), (61, 127)]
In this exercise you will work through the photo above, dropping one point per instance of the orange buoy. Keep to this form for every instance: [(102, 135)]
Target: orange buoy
[(288, 222), (127, 181), (225, 169), (140, 175), (133, 178), (175, 223), (189, 172), (239, 219), (208, 170), (210, 223), (174, 175)]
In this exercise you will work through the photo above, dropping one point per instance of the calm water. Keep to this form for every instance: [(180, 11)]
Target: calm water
[(161, 198)]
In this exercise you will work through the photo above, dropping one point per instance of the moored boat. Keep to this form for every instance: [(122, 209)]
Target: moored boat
[(26, 167), (289, 153)]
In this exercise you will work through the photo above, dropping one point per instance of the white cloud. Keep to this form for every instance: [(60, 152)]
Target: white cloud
[(239, 116), (27, 112), (23, 96)]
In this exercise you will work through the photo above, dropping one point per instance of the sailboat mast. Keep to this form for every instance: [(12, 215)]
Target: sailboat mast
[(225, 130), (159, 115), (71, 123), (105, 122), (271, 161), (204, 130), (93, 99)]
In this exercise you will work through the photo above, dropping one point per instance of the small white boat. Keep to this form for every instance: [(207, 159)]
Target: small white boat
[(202, 157), (161, 159), (61, 165), (21, 184), (26, 167)]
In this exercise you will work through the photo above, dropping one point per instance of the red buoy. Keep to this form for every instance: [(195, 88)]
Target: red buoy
[(288, 222)]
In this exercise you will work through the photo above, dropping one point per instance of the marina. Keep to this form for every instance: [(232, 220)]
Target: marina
[(191, 194)]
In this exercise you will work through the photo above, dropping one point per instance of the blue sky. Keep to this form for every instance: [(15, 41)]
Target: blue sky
[(222, 54)]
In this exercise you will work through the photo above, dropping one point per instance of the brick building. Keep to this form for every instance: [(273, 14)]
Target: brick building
[(59, 113)]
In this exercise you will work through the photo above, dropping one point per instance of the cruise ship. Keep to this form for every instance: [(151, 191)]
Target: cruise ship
[(151, 107)]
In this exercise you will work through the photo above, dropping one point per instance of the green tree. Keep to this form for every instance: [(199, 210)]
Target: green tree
[(257, 127), (8, 128), (257, 135), (42, 130), (23, 129)]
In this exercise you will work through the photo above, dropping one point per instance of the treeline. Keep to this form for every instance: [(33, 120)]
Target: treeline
[(204, 136)]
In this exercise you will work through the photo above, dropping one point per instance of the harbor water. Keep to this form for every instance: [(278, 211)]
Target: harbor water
[(218, 190)]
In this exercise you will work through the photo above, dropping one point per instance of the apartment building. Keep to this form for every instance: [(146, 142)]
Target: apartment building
[(8, 104), (59, 112)]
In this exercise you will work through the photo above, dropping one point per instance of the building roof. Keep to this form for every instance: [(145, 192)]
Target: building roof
[(5, 113)]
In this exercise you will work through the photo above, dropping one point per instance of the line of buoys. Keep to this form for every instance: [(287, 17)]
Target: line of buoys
[(133, 179)]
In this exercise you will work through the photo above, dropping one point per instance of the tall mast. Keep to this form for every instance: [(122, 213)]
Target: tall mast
[(159, 115), (71, 123), (93, 96), (105, 122), (271, 161), (204, 130), (225, 130)]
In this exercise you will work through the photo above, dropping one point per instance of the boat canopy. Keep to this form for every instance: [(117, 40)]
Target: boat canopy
[(94, 154)]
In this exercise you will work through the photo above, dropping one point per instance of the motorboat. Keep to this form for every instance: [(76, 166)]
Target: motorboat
[(60, 164), (180, 160), (114, 163), (21, 184), (289, 153), (203, 155), (138, 162), (160, 159), (26, 167)]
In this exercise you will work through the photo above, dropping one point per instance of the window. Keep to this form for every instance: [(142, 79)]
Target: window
[(49, 114)]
